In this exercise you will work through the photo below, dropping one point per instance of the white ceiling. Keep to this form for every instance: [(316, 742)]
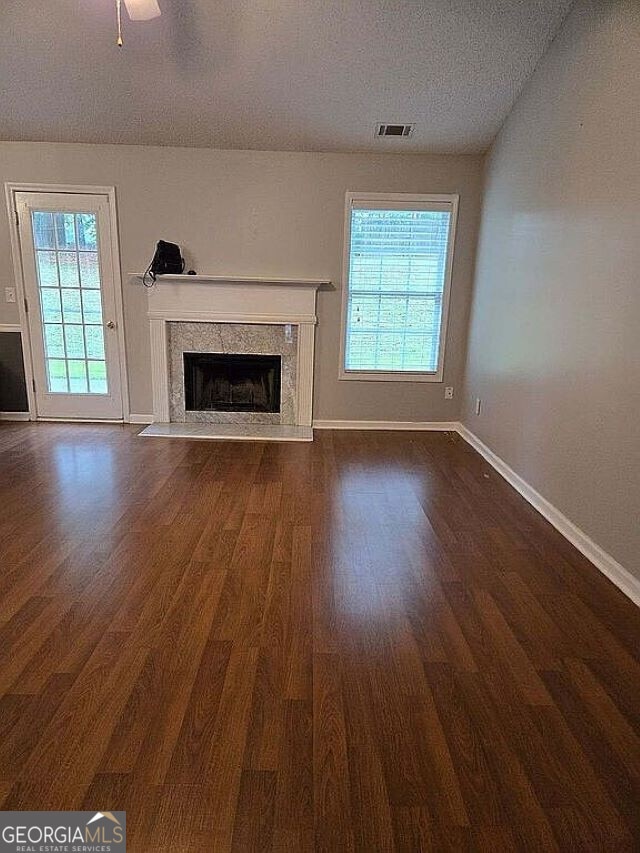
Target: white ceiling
[(270, 74)]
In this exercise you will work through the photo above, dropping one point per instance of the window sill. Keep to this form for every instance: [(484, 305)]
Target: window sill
[(375, 376)]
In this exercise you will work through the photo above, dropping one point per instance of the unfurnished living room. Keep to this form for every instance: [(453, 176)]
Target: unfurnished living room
[(319, 426)]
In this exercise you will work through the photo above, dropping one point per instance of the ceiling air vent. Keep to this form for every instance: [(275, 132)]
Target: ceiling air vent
[(394, 130)]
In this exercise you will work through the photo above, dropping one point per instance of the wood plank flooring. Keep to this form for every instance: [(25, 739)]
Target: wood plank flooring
[(368, 643)]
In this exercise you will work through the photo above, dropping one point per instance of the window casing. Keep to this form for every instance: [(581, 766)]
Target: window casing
[(396, 285)]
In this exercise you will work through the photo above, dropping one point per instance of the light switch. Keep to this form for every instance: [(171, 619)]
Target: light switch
[(9, 294)]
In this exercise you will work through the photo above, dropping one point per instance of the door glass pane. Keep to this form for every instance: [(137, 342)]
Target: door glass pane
[(54, 340), (50, 301), (57, 375), (71, 306), (94, 338), (69, 282), (89, 269), (91, 306), (68, 269), (87, 232), (43, 235), (47, 269), (77, 376), (74, 341), (97, 377), (65, 231)]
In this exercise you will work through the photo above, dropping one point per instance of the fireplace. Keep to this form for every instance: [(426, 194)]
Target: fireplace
[(221, 382), (212, 315)]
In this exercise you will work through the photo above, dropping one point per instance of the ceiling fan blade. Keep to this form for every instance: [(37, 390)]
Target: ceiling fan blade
[(142, 10)]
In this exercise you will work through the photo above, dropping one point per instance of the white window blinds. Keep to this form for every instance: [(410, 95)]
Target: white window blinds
[(398, 275)]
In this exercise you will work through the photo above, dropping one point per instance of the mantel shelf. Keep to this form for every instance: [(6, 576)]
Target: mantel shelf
[(239, 279)]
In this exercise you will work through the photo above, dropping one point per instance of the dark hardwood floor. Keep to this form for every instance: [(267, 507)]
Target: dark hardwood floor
[(368, 643)]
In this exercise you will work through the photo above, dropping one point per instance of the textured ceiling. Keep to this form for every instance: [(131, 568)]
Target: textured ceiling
[(308, 75)]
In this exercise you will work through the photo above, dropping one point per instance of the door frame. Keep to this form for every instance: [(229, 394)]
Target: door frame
[(11, 189)]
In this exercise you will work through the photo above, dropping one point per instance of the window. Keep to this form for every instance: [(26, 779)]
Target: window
[(398, 257)]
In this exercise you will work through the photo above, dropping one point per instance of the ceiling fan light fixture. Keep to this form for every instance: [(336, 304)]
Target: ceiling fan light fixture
[(143, 10), (119, 41), (138, 10)]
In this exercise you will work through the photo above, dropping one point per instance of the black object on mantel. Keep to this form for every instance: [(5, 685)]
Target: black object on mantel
[(167, 260), (192, 272)]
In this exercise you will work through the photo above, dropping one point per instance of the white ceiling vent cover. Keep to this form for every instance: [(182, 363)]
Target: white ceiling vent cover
[(397, 130)]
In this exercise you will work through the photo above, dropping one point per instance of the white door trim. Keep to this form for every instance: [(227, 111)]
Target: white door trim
[(14, 233)]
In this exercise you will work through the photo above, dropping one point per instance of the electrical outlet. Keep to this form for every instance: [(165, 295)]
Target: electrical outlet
[(9, 294), (478, 405), (448, 393)]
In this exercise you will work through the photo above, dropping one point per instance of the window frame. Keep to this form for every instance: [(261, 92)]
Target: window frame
[(391, 198)]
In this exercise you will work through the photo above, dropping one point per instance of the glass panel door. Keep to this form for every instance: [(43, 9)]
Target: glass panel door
[(68, 268), (66, 246)]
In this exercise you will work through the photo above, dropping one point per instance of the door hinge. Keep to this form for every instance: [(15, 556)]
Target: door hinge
[(26, 306), (33, 385)]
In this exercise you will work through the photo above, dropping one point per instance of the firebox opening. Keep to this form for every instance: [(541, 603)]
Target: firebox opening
[(231, 383)]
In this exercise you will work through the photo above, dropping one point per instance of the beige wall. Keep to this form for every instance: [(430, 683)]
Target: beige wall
[(554, 347), (260, 213)]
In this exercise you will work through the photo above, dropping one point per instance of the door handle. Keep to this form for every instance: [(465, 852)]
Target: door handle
[(111, 324)]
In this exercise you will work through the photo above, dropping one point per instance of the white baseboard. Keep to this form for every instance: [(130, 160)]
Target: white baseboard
[(14, 416), (617, 574), (438, 426), (24, 416), (71, 421)]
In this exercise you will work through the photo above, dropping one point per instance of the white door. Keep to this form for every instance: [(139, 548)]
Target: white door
[(66, 246)]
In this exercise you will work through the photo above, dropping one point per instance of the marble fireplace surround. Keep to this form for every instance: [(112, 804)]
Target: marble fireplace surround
[(240, 302), (233, 339)]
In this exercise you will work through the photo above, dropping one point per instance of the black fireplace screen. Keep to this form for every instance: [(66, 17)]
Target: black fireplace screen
[(231, 383)]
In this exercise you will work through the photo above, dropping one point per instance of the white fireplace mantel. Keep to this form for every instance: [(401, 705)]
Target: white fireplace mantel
[(232, 299), (241, 279)]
